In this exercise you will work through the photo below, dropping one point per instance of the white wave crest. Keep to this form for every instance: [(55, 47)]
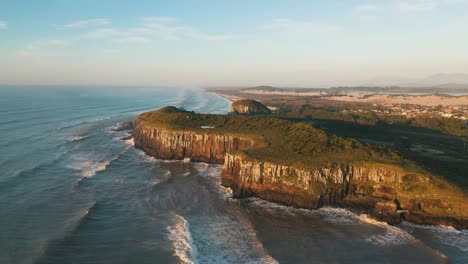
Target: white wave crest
[(226, 192), (146, 157), (445, 234), (229, 239), (77, 138), (164, 178), (337, 215), (392, 235), (274, 207), (181, 238), (389, 235), (130, 142), (89, 167), (213, 173)]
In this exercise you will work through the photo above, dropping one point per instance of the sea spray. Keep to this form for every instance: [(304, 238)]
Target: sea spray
[(181, 238)]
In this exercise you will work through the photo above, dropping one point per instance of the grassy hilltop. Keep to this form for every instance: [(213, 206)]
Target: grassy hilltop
[(276, 140)]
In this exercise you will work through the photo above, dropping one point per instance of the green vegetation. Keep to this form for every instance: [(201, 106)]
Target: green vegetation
[(450, 126), (276, 140), (248, 106)]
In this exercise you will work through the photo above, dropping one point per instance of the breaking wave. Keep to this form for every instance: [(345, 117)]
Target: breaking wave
[(444, 234), (130, 142), (181, 238), (164, 178), (77, 138), (89, 168), (391, 235)]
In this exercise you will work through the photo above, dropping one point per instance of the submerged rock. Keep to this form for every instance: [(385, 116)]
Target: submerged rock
[(124, 126)]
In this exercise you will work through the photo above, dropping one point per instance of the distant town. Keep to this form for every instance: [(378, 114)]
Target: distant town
[(414, 110)]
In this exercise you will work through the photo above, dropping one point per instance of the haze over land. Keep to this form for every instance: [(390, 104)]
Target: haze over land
[(241, 43)]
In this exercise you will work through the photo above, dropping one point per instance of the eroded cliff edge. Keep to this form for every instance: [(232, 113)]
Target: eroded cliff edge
[(298, 165)]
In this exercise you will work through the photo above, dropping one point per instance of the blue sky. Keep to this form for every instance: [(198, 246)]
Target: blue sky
[(230, 43)]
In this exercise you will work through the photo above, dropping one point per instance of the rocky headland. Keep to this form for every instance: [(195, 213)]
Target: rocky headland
[(298, 165), (249, 107)]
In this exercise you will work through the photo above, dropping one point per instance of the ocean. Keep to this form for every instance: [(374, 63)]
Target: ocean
[(72, 191)]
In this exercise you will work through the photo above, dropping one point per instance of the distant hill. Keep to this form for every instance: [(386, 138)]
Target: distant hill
[(445, 78), (264, 88), (441, 89), (249, 107)]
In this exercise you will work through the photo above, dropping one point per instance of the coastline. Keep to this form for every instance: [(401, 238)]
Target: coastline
[(230, 98), (347, 185)]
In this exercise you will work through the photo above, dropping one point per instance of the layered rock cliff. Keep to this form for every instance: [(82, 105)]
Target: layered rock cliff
[(377, 189), (386, 191), (178, 145)]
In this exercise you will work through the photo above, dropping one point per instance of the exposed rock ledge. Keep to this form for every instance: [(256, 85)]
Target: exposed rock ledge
[(377, 189)]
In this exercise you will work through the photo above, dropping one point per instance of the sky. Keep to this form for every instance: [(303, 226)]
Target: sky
[(230, 43)]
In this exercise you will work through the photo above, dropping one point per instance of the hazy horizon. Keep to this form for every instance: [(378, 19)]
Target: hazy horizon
[(212, 43)]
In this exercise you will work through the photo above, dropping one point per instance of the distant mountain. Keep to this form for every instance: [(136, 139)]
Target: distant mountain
[(445, 78), (441, 80), (440, 89)]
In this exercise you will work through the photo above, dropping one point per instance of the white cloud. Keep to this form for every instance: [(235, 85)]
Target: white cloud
[(57, 42), (417, 5), (117, 36), (159, 19), (111, 50), (42, 49), (175, 32), (37, 53), (454, 1), (153, 29), (289, 25), (88, 23), (424, 5), (3, 25), (366, 8), (24, 53), (132, 39)]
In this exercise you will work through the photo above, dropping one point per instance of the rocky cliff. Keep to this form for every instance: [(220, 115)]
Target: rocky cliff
[(384, 190), (377, 189), (249, 107), (178, 145)]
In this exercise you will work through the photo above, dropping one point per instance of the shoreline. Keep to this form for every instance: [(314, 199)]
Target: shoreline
[(230, 98), (247, 179)]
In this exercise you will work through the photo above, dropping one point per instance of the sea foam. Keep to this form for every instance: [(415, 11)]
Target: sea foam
[(444, 234), (181, 238)]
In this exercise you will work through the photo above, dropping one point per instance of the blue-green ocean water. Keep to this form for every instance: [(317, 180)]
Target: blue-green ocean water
[(71, 191)]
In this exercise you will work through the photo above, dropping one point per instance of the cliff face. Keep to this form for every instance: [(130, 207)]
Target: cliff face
[(379, 190), (341, 185), (386, 191), (178, 145)]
